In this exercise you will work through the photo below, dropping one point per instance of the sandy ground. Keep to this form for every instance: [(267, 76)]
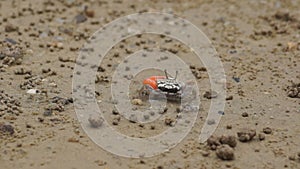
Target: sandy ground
[(258, 43)]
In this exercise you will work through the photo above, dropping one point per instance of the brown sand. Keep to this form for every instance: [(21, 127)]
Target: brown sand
[(258, 43)]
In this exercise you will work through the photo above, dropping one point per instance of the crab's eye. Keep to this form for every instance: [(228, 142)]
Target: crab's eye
[(152, 83)]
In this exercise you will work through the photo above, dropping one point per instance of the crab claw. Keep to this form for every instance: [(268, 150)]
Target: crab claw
[(151, 83)]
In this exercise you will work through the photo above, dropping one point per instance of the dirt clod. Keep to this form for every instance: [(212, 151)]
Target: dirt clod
[(229, 140), (7, 128), (213, 141), (225, 152), (11, 28), (246, 135)]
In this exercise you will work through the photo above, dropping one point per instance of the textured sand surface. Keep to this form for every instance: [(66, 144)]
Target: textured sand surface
[(258, 43)]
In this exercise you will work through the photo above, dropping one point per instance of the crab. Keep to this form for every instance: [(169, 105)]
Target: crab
[(160, 87)]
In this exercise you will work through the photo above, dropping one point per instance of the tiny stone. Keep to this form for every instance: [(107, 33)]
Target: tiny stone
[(146, 116), (95, 122), (229, 126), (221, 112), (292, 158), (52, 84), (48, 112), (7, 128), (115, 122), (229, 98), (152, 113), (178, 110), (192, 67), (267, 130), (32, 91), (60, 45), (137, 102), (165, 109), (46, 70), (115, 112), (261, 136), (133, 118), (204, 153), (80, 18), (236, 79), (73, 140), (22, 71), (245, 114), (202, 69), (90, 13), (211, 121), (210, 94), (10, 28), (169, 121)]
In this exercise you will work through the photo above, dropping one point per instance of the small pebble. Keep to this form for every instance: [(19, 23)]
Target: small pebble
[(292, 158), (169, 122), (229, 98), (267, 130), (245, 114), (22, 71), (293, 91), (221, 112), (10, 28), (236, 79), (80, 18), (146, 117), (89, 13), (138, 102), (211, 122), (60, 45), (261, 136), (33, 91), (48, 112), (204, 153), (132, 118), (210, 94), (52, 84), (115, 112), (229, 126), (96, 122), (73, 140), (115, 122)]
